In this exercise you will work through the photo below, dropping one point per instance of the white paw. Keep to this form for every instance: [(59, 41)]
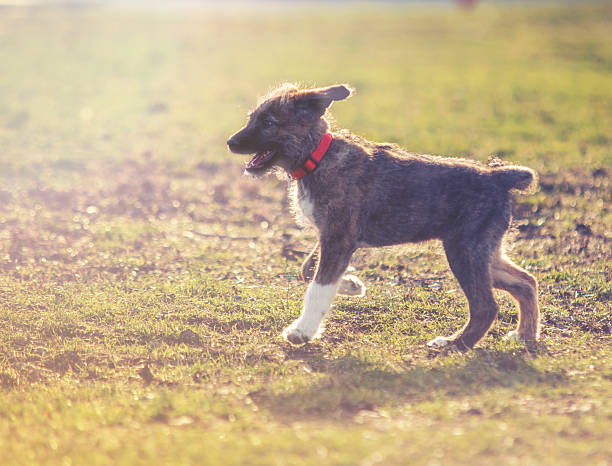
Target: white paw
[(513, 336), (440, 342), (350, 285), (297, 335)]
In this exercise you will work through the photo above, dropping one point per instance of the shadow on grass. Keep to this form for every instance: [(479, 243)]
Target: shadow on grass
[(350, 384)]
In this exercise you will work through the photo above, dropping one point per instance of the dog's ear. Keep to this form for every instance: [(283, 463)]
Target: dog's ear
[(337, 92), (314, 102)]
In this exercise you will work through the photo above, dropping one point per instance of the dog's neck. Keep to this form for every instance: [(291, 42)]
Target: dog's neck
[(303, 149), (315, 158)]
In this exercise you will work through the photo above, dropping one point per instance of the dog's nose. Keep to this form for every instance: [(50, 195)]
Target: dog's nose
[(232, 143)]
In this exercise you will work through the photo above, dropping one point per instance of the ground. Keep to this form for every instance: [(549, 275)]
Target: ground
[(144, 282)]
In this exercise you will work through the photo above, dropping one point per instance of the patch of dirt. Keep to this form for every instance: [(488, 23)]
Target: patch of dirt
[(65, 361), (65, 234)]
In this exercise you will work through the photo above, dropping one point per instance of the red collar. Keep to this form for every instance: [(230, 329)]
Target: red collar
[(312, 163)]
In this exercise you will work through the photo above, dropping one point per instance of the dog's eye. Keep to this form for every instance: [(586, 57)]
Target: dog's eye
[(267, 123)]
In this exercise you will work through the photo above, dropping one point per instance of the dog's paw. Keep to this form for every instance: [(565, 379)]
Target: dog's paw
[(350, 285), (441, 342), (514, 335), (446, 343), (296, 336)]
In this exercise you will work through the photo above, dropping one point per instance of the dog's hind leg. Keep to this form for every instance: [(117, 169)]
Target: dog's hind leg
[(469, 261), (349, 285), (523, 287), (335, 256)]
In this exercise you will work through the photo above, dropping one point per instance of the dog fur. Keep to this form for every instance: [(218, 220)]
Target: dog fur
[(365, 194)]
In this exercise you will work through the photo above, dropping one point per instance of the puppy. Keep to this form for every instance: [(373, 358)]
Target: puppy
[(358, 194)]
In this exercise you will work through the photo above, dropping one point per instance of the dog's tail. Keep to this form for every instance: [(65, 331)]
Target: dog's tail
[(513, 177)]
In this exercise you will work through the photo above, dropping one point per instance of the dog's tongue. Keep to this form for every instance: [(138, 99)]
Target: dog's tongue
[(259, 159)]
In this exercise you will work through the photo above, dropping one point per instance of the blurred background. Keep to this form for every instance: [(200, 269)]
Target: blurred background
[(106, 80)]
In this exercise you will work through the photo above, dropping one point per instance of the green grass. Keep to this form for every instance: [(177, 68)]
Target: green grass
[(144, 282)]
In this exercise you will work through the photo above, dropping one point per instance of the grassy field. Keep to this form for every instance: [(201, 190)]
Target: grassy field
[(144, 282)]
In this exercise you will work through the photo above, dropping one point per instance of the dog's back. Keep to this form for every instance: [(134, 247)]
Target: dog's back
[(403, 197)]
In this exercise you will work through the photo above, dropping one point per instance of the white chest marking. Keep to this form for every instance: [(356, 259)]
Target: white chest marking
[(307, 208)]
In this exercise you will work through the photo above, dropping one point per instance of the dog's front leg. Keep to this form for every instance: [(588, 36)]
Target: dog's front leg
[(335, 256), (349, 285)]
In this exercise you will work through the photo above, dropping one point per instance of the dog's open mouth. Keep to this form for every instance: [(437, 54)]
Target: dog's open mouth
[(260, 160)]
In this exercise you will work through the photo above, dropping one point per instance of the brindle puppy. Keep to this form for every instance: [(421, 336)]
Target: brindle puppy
[(364, 194)]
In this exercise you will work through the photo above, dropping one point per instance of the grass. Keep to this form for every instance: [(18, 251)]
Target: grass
[(144, 282)]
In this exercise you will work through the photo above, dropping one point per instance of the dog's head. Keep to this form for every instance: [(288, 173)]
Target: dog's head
[(282, 126)]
